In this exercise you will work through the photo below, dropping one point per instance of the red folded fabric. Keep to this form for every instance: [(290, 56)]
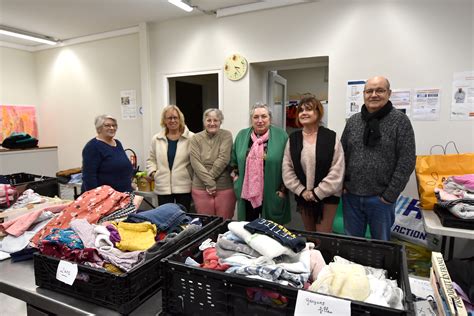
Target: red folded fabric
[(211, 260)]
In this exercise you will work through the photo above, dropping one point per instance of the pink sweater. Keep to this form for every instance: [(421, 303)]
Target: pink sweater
[(330, 185)]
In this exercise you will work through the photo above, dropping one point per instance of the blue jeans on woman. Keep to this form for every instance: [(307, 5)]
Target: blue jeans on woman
[(360, 211)]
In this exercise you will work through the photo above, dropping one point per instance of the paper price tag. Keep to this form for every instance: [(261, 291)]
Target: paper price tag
[(309, 303), (66, 272)]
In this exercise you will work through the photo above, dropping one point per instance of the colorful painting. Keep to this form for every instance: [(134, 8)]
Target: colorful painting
[(17, 119)]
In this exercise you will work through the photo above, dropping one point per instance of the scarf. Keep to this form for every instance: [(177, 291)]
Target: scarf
[(252, 188), (372, 133)]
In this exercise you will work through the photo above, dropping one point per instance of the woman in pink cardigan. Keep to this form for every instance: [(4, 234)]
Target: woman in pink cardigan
[(313, 167)]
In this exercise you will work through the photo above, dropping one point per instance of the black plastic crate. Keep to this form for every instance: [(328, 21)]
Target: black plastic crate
[(447, 219), (122, 293), (195, 291), (43, 185)]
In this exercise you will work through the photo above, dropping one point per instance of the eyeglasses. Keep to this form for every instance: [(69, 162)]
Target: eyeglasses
[(172, 118), (110, 125), (377, 91)]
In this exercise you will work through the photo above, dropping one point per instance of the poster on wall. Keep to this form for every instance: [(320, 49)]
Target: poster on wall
[(426, 104), (462, 100), (401, 100), (355, 97), (18, 118), (128, 103)]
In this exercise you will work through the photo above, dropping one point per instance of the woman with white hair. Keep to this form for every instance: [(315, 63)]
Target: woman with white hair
[(104, 161), (212, 189)]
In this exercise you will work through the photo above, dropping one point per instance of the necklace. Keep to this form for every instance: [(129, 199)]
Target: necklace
[(310, 133)]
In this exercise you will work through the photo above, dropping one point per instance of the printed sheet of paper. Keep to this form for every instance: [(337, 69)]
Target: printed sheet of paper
[(354, 97), (426, 104), (462, 100), (128, 102), (401, 100)]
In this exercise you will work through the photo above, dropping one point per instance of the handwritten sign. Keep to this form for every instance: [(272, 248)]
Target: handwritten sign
[(420, 287), (309, 303), (66, 272), (424, 308)]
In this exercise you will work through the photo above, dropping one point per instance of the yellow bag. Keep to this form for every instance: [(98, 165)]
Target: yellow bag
[(432, 170)]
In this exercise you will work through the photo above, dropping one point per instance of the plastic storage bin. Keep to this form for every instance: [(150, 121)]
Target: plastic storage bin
[(195, 291), (46, 186), (122, 293)]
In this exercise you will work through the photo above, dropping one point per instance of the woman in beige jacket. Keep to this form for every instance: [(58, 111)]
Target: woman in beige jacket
[(168, 162)]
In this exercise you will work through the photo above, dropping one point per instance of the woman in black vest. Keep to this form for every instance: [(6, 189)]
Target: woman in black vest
[(313, 167)]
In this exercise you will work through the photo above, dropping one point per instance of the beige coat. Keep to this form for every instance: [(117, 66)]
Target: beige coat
[(179, 179)]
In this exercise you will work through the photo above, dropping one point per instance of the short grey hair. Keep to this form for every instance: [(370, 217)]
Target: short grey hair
[(259, 105), (100, 120), (218, 112)]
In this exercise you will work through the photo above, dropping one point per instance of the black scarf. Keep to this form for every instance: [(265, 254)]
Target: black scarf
[(372, 129)]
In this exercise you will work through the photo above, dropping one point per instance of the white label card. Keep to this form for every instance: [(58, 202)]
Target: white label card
[(66, 272), (309, 303)]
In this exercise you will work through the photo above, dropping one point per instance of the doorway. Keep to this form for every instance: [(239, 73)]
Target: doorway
[(194, 94), (289, 79), (189, 100)]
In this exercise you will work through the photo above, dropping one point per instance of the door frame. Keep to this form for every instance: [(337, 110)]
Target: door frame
[(274, 77), (166, 91)]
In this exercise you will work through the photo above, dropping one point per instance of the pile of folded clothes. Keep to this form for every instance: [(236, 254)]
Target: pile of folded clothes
[(457, 196), (265, 250)]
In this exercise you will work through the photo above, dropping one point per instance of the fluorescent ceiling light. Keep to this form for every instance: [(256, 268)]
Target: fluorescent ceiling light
[(182, 5), (27, 36), (256, 6)]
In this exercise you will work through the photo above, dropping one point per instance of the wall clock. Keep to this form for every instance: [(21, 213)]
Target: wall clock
[(235, 67)]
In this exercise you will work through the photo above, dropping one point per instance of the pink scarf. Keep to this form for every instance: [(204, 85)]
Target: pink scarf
[(252, 189)]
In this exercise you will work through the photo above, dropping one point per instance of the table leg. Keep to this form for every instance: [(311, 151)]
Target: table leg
[(451, 248), (443, 245), (76, 195)]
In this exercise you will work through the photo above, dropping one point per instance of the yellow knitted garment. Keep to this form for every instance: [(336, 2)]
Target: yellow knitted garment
[(135, 236)]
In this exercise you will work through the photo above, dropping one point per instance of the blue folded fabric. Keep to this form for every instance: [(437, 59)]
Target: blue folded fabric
[(166, 217), (23, 255), (278, 232)]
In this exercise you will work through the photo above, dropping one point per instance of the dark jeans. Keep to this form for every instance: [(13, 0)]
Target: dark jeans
[(182, 198), (360, 211)]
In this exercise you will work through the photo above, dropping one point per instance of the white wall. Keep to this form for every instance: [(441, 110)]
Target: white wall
[(76, 83), (414, 44), (18, 78)]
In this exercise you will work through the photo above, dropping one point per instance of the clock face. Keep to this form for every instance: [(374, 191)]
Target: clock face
[(235, 67)]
